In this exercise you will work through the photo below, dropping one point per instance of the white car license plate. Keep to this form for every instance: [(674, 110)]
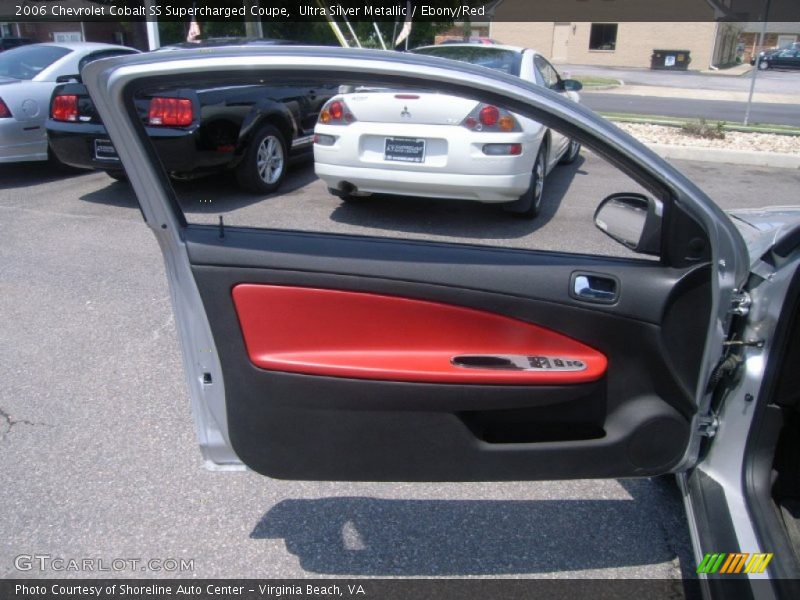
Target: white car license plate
[(104, 150), (404, 150)]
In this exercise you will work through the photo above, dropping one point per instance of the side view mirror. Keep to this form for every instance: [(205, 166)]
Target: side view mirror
[(633, 220), (571, 85)]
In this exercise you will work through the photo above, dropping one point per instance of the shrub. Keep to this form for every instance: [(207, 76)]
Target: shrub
[(703, 129)]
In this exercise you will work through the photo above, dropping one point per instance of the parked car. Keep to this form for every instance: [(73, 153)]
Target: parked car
[(322, 356), (423, 144), (253, 130), (7, 43), (786, 58), (28, 75)]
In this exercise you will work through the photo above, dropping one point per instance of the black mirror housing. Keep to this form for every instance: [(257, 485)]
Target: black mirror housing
[(633, 220), (571, 85)]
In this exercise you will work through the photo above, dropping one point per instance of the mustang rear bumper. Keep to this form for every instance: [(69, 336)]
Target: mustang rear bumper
[(178, 149)]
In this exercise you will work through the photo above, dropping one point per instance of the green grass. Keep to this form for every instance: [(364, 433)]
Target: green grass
[(589, 81), (682, 122)]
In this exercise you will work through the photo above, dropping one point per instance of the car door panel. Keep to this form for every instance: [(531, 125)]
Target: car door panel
[(627, 421), (543, 275)]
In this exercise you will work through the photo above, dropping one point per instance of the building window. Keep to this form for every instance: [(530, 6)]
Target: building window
[(603, 36)]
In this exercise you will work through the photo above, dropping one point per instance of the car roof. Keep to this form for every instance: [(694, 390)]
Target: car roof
[(85, 46), (232, 41)]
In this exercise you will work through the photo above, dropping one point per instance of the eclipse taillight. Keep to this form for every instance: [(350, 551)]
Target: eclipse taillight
[(336, 112), (489, 118), (65, 108), (5, 113), (170, 112), (489, 115)]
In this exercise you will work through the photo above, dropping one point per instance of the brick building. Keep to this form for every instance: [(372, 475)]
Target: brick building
[(623, 44)]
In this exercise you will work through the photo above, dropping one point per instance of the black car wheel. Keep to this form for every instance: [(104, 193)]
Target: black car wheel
[(529, 204), (571, 154), (763, 65), (264, 165)]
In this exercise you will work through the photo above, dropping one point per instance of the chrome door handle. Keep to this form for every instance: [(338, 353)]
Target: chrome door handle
[(594, 288)]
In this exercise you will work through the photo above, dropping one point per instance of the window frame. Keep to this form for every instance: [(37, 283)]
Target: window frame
[(591, 35)]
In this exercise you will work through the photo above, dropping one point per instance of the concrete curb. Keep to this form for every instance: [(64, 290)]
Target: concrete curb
[(722, 155)]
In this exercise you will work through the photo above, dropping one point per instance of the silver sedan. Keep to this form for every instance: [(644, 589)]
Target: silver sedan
[(28, 75)]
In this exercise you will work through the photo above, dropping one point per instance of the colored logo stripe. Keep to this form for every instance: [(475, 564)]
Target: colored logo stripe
[(734, 562)]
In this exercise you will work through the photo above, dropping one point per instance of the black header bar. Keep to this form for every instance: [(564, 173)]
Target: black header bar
[(475, 11)]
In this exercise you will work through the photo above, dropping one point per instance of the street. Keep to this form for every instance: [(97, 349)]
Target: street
[(99, 457)]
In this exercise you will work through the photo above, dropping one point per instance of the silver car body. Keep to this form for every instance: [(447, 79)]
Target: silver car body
[(771, 277), (23, 136)]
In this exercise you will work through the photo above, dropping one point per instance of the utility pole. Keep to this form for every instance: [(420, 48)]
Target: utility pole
[(153, 39)]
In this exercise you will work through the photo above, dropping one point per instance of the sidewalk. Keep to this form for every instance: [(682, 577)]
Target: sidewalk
[(737, 71)]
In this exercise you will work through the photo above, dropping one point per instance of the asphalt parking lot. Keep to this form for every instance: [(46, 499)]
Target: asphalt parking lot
[(97, 445)]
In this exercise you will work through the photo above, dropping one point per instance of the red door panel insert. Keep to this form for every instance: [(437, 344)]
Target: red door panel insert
[(371, 336)]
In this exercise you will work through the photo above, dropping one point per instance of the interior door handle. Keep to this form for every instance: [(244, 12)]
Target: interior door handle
[(591, 287)]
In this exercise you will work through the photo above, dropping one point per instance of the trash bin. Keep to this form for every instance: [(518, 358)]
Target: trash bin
[(673, 60)]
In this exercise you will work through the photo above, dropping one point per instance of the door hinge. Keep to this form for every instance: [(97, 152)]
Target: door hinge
[(707, 425), (740, 303)]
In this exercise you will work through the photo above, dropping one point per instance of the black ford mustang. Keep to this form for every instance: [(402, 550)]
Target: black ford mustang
[(208, 127)]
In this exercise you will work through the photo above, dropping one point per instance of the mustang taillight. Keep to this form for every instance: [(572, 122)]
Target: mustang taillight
[(5, 113), (170, 112), (65, 108), (335, 112), (487, 117)]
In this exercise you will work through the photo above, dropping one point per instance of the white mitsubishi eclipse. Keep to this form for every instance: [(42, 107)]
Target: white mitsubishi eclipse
[(417, 143)]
